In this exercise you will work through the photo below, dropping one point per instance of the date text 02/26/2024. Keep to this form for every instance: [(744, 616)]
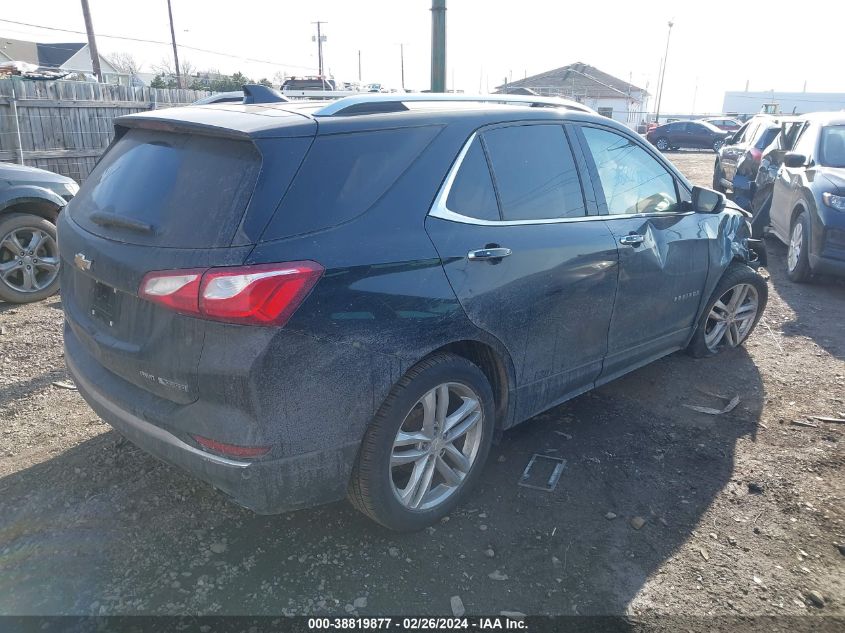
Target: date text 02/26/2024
[(418, 624)]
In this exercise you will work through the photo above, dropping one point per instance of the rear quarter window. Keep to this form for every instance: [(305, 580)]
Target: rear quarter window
[(344, 175)]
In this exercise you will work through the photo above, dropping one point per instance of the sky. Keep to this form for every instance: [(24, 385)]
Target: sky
[(714, 47)]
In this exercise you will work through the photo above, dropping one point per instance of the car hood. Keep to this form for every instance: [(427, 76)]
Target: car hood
[(21, 174), (836, 176)]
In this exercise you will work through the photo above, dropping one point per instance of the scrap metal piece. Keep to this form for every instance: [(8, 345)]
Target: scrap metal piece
[(550, 485)]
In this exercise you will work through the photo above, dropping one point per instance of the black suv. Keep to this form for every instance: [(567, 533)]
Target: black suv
[(298, 302)]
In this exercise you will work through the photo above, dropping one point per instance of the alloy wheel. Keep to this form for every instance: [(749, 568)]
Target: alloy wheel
[(795, 245), (436, 446), (29, 260), (731, 317), (662, 144)]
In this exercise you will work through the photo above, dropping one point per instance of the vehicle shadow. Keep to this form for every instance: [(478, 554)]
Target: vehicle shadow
[(104, 528), (817, 306)]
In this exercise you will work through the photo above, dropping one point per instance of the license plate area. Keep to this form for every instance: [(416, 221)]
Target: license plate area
[(104, 303)]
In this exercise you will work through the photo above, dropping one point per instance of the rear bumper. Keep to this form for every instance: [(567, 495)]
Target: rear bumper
[(264, 486)]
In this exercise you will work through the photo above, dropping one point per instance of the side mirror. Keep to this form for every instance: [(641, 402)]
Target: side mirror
[(707, 200), (794, 159)]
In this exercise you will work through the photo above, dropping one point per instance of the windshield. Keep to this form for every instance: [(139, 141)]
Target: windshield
[(832, 146)]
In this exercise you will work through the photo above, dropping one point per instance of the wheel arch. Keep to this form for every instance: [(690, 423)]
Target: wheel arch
[(35, 200), (496, 366)]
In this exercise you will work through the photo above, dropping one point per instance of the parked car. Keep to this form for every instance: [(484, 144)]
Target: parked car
[(738, 160), (274, 303), (686, 134), (723, 123), (808, 199), (770, 164), (30, 201)]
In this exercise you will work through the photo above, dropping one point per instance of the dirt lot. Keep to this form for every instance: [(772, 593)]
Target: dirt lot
[(742, 512)]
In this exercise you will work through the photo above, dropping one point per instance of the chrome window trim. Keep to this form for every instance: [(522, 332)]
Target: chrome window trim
[(440, 210)]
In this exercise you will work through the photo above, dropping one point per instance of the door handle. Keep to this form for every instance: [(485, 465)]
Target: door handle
[(632, 240), (488, 253)]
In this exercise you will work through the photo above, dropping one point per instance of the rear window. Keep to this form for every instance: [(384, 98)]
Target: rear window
[(189, 191), (344, 175)]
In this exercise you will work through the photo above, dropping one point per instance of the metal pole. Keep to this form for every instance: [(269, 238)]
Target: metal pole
[(16, 121), (359, 66), (663, 74), (92, 41), (402, 61), (319, 47), (175, 52), (438, 45)]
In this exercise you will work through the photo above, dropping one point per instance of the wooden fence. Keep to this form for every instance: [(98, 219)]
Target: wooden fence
[(64, 126)]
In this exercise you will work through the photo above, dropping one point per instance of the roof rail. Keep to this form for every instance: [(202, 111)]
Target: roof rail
[(393, 102)]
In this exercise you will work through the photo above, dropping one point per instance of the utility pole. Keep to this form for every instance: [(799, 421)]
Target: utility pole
[(402, 62), (359, 66), (319, 39), (438, 45), (663, 74), (92, 41), (175, 51)]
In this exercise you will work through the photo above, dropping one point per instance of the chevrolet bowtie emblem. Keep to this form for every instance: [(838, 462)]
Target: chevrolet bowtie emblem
[(82, 262)]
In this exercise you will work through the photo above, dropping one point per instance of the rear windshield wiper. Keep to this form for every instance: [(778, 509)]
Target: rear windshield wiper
[(112, 219)]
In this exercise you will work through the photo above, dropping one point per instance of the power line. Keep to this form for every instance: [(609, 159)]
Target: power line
[(147, 41)]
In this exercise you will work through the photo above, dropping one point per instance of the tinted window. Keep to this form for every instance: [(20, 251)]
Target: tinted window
[(765, 136), (535, 173), (344, 175), (632, 180), (832, 147), (472, 192), (190, 190)]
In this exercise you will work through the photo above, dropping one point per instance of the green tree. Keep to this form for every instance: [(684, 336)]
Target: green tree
[(161, 81)]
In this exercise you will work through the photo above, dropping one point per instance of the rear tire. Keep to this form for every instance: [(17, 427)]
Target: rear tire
[(404, 445), (797, 259), (27, 274), (732, 313)]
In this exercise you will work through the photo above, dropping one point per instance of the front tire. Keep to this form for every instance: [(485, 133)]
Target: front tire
[(732, 312), (717, 145), (761, 205), (29, 258), (662, 144), (426, 446), (797, 257)]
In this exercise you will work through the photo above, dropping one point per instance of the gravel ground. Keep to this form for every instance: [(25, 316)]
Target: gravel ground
[(660, 509)]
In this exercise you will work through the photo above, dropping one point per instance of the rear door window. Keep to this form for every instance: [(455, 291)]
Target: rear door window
[(633, 181), (172, 190), (534, 172), (472, 192)]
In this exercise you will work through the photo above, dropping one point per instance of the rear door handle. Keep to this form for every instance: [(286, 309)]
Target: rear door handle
[(488, 253), (632, 240)]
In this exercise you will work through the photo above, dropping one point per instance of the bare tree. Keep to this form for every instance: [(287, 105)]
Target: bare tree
[(124, 63), (166, 69)]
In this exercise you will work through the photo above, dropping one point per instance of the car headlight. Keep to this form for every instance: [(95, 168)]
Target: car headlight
[(834, 201), (72, 188)]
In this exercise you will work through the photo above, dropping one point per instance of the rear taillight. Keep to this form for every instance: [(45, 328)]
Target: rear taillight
[(756, 154), (265, 294)]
